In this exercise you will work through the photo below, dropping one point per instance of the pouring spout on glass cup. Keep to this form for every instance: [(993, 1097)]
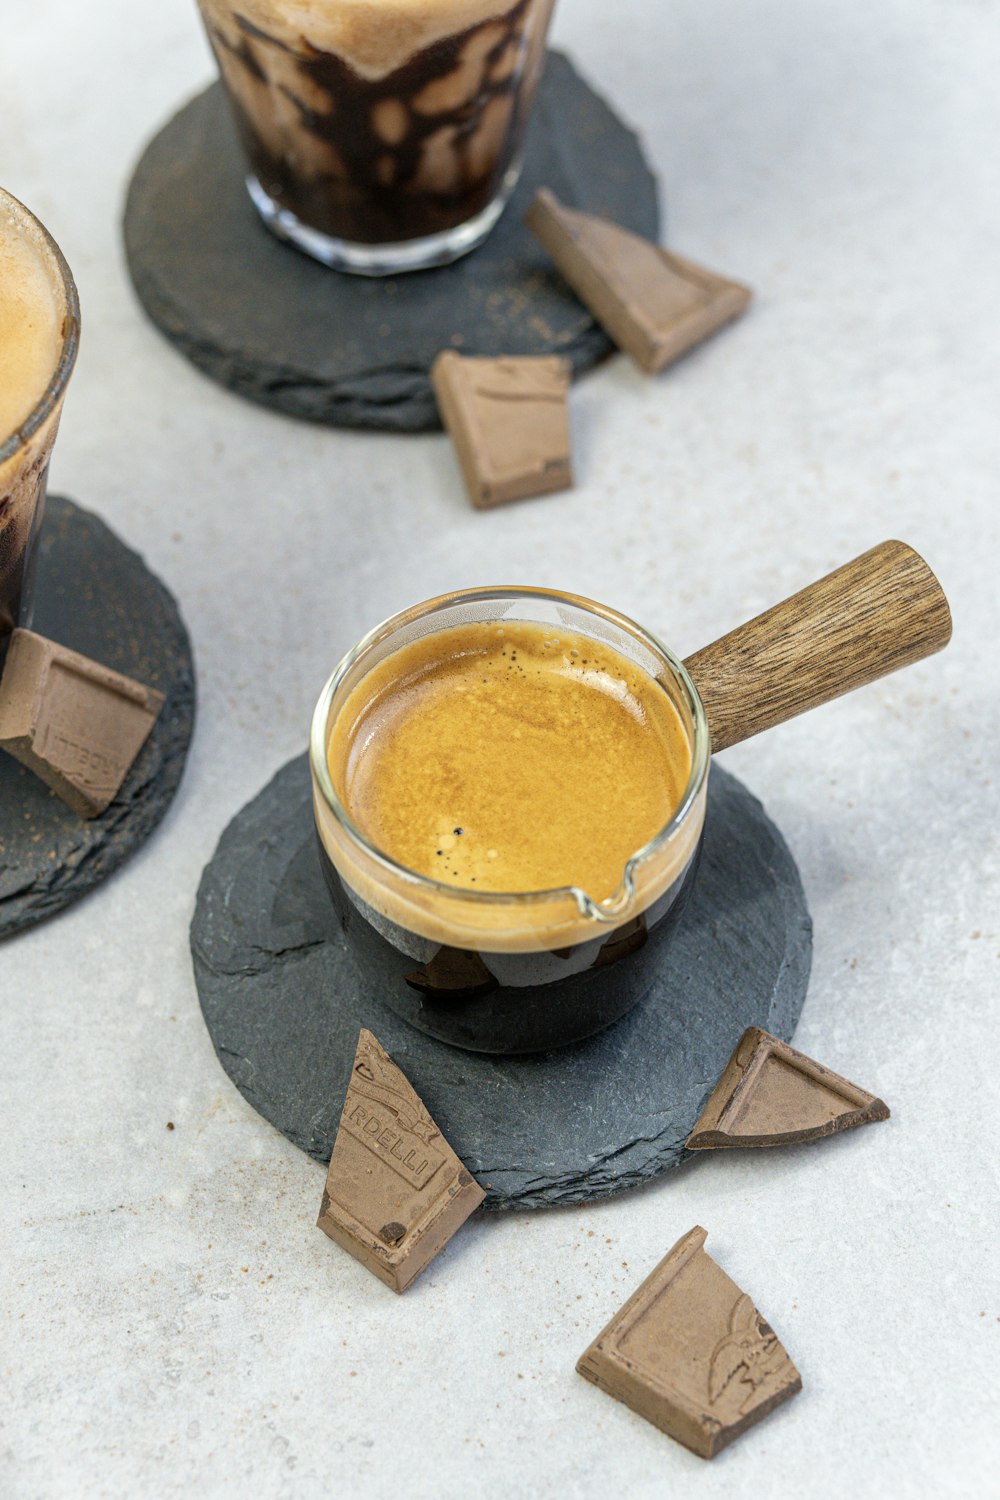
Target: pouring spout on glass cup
[(521, 971)]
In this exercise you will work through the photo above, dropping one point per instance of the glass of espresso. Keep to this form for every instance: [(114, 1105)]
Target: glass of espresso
[(382, 135), (509, 789), (39, 332)]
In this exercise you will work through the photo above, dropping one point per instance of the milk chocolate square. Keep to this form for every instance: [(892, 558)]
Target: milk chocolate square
[(77, 724), (770, 1095), (509, 422), (395, 1192), (691, 1353), (654, 304)]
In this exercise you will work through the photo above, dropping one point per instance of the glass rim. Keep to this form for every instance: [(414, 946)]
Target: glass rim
[(603, 910), (53, 392)]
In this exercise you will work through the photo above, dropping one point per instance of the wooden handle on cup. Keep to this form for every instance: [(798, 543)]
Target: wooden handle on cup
[(882, 611)]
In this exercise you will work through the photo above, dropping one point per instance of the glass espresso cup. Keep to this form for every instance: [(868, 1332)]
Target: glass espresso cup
[(39, 333), (520, 971), (382, 135)]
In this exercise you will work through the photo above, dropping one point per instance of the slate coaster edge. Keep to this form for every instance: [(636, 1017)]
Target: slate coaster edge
[(271, 385), (635, 1163), (151, 785)]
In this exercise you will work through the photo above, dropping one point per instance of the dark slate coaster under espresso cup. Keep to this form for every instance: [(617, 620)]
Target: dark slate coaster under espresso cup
[(284, 1000), (97, 596), (264, 319)]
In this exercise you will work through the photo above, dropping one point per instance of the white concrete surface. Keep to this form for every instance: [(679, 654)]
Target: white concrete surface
[(173, 1325)]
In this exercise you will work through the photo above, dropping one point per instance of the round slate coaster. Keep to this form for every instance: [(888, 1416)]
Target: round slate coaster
[(94, 594), (284, 1001), (265, 320)]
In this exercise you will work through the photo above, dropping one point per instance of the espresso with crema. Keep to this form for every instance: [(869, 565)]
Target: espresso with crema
[(33, 330), (30, 322), (510, 757)]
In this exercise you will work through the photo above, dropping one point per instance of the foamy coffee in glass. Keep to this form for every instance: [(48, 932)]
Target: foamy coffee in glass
[(39, 331), (509, 790), (382, 135)]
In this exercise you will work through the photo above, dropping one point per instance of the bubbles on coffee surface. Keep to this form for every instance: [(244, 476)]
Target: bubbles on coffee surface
[(510, 758), (30, 322)]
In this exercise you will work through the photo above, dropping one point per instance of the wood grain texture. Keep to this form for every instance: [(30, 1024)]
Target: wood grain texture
[(870, 617)]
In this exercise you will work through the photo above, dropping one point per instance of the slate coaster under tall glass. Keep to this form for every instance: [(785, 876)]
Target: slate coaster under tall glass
[(278, 328)]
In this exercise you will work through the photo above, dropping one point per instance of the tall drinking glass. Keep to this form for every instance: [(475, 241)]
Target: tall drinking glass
[(382, 135)]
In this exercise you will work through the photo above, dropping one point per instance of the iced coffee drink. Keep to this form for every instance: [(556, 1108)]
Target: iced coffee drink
[(39, 328), (382, 135)]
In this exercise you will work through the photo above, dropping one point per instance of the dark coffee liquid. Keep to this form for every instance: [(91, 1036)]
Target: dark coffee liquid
[(513, 1002), (20, 521), (414, 153)]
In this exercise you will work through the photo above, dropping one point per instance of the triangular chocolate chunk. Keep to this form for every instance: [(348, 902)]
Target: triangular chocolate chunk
[(654, 304), (74, 722), (771, 1095), (691, 1353), (509, 423), (395, 1192)]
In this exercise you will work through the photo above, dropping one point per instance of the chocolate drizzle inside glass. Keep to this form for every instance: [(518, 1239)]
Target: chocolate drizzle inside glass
[(416, 152)]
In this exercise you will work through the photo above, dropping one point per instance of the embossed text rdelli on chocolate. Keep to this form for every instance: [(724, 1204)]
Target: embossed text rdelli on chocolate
[(395, 1192)]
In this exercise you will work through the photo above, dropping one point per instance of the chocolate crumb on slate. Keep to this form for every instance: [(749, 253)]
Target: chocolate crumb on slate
[(509, 422), (771, 1095), (395, 1192), (654, 304), (77, 724), (689, 1352)]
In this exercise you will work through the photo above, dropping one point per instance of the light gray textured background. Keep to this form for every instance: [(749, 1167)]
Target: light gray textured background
[(172, 1323)]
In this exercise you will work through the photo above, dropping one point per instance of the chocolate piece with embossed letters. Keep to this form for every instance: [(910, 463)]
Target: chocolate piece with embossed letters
[(771, 1095), (691, 1353), (395, 1192), (77, 724)]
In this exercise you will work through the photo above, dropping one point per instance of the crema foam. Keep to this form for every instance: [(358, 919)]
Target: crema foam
[(510, 757)]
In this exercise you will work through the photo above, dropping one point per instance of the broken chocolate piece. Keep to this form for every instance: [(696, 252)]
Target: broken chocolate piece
[(691, 1353), (508, 420), (395, 1192), (654, 304), (77, 724), (771, 1095)]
